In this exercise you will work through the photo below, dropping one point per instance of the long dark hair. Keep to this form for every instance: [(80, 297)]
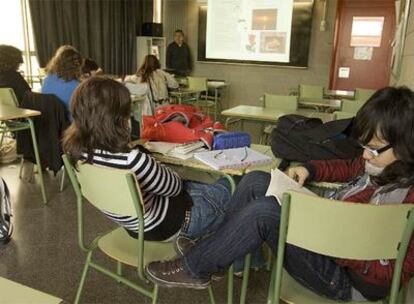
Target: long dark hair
[(101, 108), (389, 114), (66, 63), (149, 66), (10, 58)]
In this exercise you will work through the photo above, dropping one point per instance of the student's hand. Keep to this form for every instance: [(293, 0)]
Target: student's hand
[(299, 174)]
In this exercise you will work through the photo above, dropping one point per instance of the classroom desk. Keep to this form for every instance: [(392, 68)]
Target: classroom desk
[(271, 115), (9, 114), (323, 105), (340, 94), (16, 293), (183, 92)]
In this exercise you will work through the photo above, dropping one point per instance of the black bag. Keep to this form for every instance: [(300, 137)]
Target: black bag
[(6, 227), (299, 138)]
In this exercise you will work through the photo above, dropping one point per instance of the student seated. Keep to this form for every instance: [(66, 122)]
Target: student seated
[(383, 175), (153, 82), (63, 73), (100, 133), (10, 60)]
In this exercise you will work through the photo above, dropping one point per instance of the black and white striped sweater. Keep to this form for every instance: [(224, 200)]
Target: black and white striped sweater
[(157, 183)]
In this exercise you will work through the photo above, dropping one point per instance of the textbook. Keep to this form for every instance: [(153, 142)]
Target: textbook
[(181, 151), (232, 158), (280, 183)]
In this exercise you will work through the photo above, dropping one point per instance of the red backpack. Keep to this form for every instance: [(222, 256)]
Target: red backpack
[(178, 124)]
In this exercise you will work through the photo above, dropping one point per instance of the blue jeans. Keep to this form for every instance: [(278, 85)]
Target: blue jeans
[(211, 203), (251, 219)]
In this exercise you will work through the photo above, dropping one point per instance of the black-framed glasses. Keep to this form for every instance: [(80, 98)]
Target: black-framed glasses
[(376, 152)]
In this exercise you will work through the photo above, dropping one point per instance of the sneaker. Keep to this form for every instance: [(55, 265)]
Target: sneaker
[(183, 244), (173, 274)]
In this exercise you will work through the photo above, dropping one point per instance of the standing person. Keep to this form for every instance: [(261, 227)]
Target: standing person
[(178, 55), (10, 60), (63, 74), (383, 175), (152, 82)]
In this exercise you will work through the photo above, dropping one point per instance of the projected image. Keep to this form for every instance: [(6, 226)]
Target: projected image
[(273, 42), (251, 42), (264, 19)]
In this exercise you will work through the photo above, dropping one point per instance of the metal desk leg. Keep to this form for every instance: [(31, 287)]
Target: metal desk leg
[(38, 163), (215, 103)]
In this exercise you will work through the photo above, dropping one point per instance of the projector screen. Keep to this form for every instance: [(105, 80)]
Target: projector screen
[(257, 30), (270, 32)]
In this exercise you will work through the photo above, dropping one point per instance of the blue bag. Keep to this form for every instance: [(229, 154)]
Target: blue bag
[(229, 140)]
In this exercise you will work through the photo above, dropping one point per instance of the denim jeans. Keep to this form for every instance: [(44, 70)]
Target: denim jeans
[(252, 219), (211, 203)]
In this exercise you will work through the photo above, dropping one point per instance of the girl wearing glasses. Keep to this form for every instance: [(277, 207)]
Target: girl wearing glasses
[(384, 174)]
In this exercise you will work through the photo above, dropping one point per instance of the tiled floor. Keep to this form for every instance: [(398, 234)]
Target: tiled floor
[(44, 253)]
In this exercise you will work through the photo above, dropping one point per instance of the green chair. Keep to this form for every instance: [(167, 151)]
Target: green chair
[(15, 293), (8, 99), (310, 92), (343, 114), (200, 98), (287, 103), (343, 230), (96, 184), (363, 94)]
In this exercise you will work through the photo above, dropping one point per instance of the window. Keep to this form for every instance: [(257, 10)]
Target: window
[(367, 31), (15, 20)]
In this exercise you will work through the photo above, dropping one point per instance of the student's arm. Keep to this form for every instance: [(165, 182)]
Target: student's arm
[(170, 80), (137, 88), (154, 177), (337, 170)]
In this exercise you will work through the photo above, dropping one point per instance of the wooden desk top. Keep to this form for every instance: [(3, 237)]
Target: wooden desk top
[(341, 94), (324, 103), (271, 114), (9, 113)]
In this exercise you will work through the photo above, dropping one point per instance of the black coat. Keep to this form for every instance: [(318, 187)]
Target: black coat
[(49, 130), (13, 79)]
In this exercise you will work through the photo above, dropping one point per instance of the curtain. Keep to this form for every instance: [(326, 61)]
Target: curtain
[(104, 30)]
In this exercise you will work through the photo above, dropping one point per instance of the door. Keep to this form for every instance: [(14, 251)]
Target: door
[(362, 45)]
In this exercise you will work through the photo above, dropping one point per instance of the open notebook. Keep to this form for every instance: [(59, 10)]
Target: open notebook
[(280, 183), (232, 158)]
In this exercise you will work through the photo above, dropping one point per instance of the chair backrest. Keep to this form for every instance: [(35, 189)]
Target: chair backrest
[(283, 102), (345, 230), (197, 83), (307, 91), (363, 94), (8, 98), (352, 106), (343, 115), (97, 184)]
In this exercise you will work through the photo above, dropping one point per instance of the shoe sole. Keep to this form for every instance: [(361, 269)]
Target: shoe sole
[(168, 284)]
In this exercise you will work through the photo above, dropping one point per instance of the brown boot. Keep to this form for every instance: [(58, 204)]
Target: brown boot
[(173, 274)]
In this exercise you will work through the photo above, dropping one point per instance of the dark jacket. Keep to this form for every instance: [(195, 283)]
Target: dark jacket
[(13, 79), (179, 58), (49, 130)]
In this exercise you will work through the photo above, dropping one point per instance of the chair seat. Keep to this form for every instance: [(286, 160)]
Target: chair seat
[(294, 292), (15, 293), (118, 245)]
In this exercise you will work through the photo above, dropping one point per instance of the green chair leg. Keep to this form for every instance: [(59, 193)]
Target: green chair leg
[(211, 295), (246, 271), (230, 284), (269, 258), (270, 297), (62, 179), (83, 278), (119, 269), (38, 163), (155, 294)]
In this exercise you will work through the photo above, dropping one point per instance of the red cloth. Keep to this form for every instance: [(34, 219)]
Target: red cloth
[(178, 124), (342, 171)]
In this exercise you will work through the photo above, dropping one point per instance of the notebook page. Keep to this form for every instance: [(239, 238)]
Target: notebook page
[(280, 183)]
